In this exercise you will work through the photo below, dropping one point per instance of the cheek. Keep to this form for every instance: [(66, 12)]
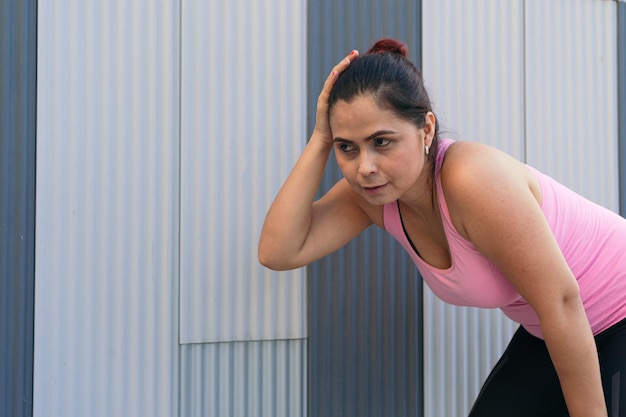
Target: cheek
[(343, 164), (347, 167), (406, 167), (340, 158)]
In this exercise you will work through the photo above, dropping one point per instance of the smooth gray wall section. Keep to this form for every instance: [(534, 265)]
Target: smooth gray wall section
[(18, 80), (365, 301), (621, 101)]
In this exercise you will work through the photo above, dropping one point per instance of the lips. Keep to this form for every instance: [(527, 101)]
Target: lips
[(374, 189)]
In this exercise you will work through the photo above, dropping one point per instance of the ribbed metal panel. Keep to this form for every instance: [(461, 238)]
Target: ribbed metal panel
[(106, 325), (18, 94), (474, 70), (571, 111), (461, 345), (244, 379), (365, 355), (243, 127), (365, 333)]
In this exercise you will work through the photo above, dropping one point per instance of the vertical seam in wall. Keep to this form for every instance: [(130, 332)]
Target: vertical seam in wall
[(621, 104), (524, 90), (307, 383), (34, 202), (304, 356), (420, 322), (180, 193)]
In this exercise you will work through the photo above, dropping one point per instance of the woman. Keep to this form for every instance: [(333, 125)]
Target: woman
[(482, 228)]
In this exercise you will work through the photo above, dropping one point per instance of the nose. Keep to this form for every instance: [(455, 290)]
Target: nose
[(368, 164)]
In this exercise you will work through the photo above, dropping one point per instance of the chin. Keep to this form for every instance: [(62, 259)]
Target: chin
[(379, 200)]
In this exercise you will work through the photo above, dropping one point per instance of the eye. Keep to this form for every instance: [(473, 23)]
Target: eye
[(381, 142), (346, 147)]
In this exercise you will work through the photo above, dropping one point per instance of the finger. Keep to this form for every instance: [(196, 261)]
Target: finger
[(341, 66), (348, 59)]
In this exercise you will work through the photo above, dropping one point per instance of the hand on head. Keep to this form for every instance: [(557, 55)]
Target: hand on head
[(322, 125)]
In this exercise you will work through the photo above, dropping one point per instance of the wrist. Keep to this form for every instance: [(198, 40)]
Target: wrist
[(322, 138)]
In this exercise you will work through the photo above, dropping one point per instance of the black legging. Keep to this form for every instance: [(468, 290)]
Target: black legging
[(524, 382)]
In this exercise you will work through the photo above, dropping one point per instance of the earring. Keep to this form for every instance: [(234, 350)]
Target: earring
[(426, 149)]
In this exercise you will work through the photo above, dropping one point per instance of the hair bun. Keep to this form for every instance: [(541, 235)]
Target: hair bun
[(388, 45)]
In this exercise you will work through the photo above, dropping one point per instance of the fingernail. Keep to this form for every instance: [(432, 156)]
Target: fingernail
[(332, 74), (352, 53)]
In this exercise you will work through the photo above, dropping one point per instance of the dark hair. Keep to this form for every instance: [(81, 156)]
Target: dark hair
[(394, 81)]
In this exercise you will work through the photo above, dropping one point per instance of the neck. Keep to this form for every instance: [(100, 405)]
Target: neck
[(422, 198), (423, 207)]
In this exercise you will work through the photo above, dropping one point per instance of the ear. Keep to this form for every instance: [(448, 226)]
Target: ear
[(429, 128)]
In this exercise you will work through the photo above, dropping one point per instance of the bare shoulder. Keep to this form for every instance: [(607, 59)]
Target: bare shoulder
[(473, 155), (472, 164), (478, 174)]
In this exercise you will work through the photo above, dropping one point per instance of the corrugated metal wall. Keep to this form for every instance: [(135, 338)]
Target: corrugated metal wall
[(242, 128), (254, 378), (18, 95), (474, 68), (571, 94), (106, 324), (135, 157), (365, 355), (497, 75)]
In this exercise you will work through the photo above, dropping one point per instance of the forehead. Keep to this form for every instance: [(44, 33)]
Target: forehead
[(361, 116), (358, 104)]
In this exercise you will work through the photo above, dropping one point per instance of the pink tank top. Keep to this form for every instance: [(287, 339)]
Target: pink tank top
[(592, 239)]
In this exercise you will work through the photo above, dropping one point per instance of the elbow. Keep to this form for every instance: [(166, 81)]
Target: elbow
[(268, 259), (563, 308), (264, 258), (570, 300), (274, 254)]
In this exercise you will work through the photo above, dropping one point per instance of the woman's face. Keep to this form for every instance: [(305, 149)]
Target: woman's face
[(380, 155)]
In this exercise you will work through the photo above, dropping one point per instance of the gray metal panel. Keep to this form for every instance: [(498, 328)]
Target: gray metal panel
[(107, 243), (365, 314), (474, 70), (461, 346), (571, 95), (242, 128), (244, 379), (621, 101), (18, 95)]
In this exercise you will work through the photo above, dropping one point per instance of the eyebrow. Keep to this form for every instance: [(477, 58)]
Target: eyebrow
[(370, 137)]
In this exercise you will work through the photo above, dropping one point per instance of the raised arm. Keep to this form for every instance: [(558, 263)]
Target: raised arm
[(297, 230), (495, 203)]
